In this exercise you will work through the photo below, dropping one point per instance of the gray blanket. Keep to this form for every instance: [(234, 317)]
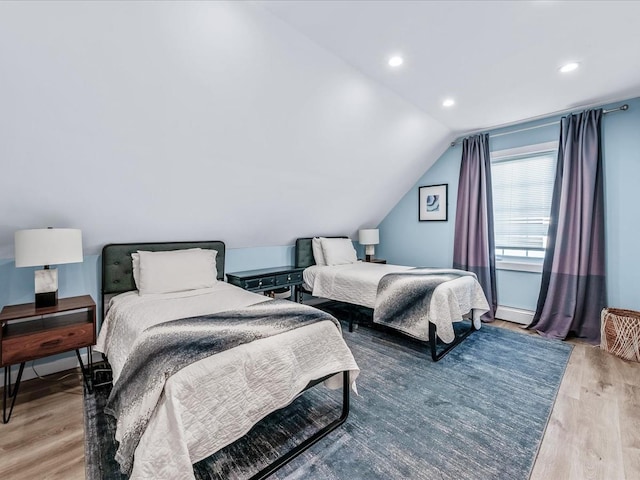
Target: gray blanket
[(404, 299), (166, 348)]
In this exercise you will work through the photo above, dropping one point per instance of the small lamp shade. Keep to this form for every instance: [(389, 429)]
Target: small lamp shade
[(369, 237), (44, 247), (48, 246)]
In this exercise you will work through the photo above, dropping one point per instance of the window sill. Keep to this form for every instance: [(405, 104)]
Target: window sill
[(519, 266)]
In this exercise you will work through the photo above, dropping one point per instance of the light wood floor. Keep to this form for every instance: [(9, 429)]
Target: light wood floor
[(593, 433)]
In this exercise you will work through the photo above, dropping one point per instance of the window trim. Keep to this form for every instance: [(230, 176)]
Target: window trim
[(517, 266), (509, 153), (512, 263)]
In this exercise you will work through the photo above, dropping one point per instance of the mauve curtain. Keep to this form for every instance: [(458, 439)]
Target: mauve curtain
[(474, 247), (573, 290)]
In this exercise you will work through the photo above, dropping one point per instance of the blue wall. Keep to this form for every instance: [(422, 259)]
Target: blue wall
[(16, 284), (404, 240)]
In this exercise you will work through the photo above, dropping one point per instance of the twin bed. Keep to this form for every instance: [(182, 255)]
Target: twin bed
[(422, 303), (175, 403), (213, 401)]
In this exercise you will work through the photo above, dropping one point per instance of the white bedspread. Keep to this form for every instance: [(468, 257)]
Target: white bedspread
[(357, 283), (215, 401)]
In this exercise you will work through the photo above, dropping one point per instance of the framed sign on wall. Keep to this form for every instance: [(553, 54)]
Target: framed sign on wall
[(433, 203)]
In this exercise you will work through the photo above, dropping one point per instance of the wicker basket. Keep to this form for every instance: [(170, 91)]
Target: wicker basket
[(620, 333)]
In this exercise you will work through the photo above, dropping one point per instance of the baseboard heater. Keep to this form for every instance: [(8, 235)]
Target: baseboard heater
[(516, 315)]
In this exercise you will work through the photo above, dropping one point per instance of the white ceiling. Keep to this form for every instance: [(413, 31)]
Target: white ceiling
[(498, 59), (202, 120), (197, 120)]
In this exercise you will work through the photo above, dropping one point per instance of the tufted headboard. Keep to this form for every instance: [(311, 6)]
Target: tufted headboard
[(304, 252), (117, 272)]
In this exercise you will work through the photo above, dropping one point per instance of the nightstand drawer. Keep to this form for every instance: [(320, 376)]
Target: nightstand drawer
[(289, 278), (23, 348), (259, 283)]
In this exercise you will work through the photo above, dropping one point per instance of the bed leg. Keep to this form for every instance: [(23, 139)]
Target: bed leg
[(433, 341), (293, 453)]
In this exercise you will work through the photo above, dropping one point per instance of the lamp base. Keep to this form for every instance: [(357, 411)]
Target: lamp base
[(369, 251), (46, 286), (48, 299)]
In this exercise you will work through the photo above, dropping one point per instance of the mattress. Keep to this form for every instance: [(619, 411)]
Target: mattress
[(217, 400), (357, 283)]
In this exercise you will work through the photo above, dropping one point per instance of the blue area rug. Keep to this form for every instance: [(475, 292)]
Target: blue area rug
[(480, 413)]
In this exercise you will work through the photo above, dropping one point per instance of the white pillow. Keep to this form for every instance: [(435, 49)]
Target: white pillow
[(176, 270), (135, 263), (338, 251), (318, 256)]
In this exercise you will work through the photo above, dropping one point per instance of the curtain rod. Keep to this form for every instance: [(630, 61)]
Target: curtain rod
[(617, 109)]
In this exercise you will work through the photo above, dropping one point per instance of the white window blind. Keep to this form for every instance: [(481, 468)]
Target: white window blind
[(522, 190)]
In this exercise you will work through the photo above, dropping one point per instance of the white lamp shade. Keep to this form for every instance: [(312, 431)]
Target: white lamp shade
[(48, 246), (369, 236)]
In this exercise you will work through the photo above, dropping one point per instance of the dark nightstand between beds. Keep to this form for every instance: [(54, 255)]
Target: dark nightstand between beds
[(268, 279), (376, 260)]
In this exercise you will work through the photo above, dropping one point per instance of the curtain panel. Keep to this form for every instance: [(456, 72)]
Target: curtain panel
[(573, 290), (474, 244)]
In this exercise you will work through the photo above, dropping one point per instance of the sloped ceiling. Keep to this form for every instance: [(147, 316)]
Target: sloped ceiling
[(498, 59), (158, 121), (259, 123)]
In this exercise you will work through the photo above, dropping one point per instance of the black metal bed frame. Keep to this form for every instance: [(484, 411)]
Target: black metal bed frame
[(121, 280), (303, 258), (436, 354), (433, 340), (312, 440)]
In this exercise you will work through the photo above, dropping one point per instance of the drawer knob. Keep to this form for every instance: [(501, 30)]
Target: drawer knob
[(260, 283), (288, 277)]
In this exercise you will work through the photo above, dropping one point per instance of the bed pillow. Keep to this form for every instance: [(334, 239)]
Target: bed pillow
[(338, 251), (135, 264), (318, 255), (176, 270)]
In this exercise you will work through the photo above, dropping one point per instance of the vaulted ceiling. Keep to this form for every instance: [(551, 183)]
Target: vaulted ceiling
[(259, 123), (164, 121), (498, 59)]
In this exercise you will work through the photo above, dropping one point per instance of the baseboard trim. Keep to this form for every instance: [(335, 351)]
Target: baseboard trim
[(516, 315), (49, 368)]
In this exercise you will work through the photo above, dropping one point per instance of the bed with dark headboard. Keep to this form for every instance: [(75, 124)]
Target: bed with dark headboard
[(117, 278), (117, 270), (304, 251), (350, 280)]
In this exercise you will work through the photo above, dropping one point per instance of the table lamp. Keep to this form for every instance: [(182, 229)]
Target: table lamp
[(44, 247), (369, 237)]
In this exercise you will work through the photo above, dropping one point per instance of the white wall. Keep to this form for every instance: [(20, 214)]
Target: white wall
[(153, 121)]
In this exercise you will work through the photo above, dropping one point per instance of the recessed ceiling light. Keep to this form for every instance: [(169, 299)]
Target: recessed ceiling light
[(569, 67), (449, 102), (395, 61)]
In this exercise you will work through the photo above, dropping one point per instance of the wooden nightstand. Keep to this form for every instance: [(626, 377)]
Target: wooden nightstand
[(267, 279), (29, 333)]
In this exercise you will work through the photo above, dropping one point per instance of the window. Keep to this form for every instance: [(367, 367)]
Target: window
[(522, 181)]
